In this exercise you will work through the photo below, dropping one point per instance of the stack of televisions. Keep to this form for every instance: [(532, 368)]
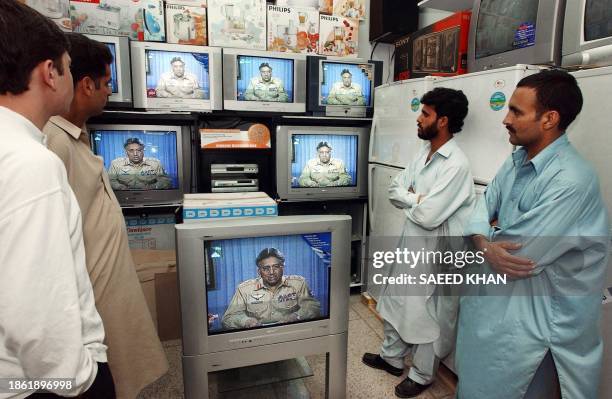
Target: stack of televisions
[(502, 33), (215, 79)]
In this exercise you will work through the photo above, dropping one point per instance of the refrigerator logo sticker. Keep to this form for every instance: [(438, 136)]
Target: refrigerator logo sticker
[(415, 104), (497, 101), (524, 36)]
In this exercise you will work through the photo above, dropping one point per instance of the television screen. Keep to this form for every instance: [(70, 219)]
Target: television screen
[(505, 25), (271, 280), (177, 74), (114, 83), (138, 159), (346, 84), (597, 19), (264, 79), (324, 160)]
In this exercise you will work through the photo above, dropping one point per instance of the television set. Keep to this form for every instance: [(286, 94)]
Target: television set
[(121, 79), (587, 33), (176, 77), (339, 87), (321, 162), (504, 33), (262, 289), (146, 164), (264, 81)]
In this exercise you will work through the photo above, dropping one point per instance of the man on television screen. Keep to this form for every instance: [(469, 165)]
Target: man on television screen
[(270, 298), (135, 172), (324, 171), (177, 83), (346, 92), (266, 87)]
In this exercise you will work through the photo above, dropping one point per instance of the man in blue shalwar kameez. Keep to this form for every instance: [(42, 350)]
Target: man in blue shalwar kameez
[(544, 224)]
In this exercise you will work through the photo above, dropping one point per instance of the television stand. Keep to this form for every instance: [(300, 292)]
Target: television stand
[(196, 368)]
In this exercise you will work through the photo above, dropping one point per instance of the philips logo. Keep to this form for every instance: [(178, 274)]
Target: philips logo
[(279, 9), (328, 18)]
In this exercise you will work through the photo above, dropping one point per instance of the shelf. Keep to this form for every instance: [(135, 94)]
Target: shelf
[(356, 285), (447, 5)]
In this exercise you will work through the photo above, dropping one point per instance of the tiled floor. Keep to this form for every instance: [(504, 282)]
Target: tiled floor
[(365, 335)]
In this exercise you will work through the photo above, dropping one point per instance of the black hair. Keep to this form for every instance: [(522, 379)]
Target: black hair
[(345, 71), (175, 59), (27, 38), (323, 144), (450, 103), (133, 140), (556, 90), (89, 58), (269, 253), (263, 65)]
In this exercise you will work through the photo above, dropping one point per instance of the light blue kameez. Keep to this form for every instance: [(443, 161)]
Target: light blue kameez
[(552, 204)]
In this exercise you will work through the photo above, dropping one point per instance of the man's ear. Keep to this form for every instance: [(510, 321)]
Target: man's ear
[(87, 85), (48, 73), (442, 121), (550, 119)]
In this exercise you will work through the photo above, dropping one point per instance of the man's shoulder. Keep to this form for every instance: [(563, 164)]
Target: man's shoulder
[(572, 169), (336, 162), (312, 162), (118, 162), (152, 162), (294, 280), (277, 81), (248, 284)]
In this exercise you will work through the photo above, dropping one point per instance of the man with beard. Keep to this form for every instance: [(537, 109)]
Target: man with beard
[(436, 194), (270, 298), (135, 355), (544, 224)]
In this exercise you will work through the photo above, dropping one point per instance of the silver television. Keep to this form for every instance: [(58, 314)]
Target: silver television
[(146, 164), (121, 79), (587, 33), (321, 162), (176, 77), (508, 32), (226, 300), (264, 81)]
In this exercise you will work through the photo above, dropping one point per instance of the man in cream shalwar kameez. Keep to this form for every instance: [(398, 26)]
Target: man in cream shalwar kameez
[(135, 355), (436, 193)]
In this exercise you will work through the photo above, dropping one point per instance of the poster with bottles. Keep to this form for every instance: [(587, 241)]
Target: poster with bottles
[(56, 10), (237, 23), (293, 29), (338, 36), (186, 23), (349, 8)]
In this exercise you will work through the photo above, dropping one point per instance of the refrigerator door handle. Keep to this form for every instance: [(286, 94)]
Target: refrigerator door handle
[(372, 139), (370, 197)]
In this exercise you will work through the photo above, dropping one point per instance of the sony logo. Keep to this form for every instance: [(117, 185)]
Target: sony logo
[(279, 9)]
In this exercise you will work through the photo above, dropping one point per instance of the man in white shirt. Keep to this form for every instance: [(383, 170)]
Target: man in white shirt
[(436, 194), (50, 327)]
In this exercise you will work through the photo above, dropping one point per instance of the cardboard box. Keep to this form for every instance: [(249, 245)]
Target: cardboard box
[(349, 8), (186, 23), (293, 29), (237, 23), (401, 68), (151, 232), (440, 49), (326, 6), (298, 3), (256, 137), (156, 271), (56, 10), (338, 36), (201, 207), (138, 20)]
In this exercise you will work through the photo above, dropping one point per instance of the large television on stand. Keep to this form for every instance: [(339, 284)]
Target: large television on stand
[(262, 289), (504, 33)]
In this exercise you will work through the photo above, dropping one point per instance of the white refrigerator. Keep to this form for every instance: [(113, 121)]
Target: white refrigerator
[(484, 139), (590, 134), (393, 144)]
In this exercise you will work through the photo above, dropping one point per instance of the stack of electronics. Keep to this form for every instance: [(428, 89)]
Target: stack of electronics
[(232, 178)]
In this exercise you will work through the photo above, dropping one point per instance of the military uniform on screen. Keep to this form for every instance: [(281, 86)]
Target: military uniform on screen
[(148, 175), (318, 174), (254, 300), (342, 95), (171, 86), (258, 90)]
